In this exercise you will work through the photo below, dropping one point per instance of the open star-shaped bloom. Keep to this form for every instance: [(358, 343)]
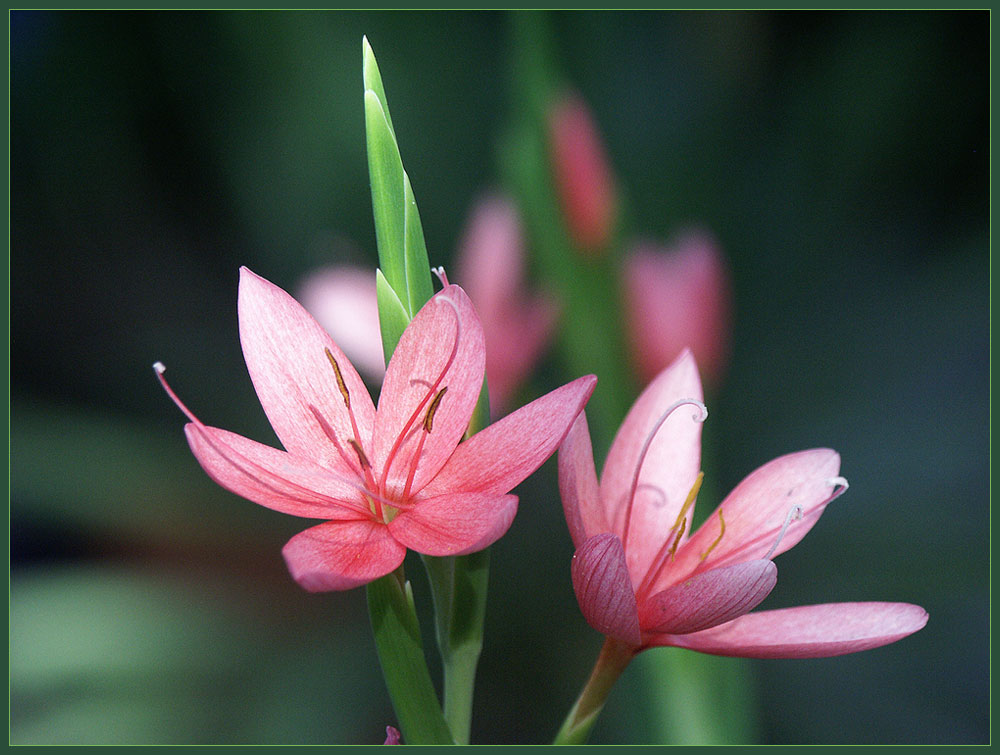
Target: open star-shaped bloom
[(383, 479), (641, 578)]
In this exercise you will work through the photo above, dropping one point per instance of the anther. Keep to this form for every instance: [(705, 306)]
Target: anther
[(365, 464), (432, 410), (793, 513), (159, 367), (692, 496), (340, 379), (677, 539), (722, 531)]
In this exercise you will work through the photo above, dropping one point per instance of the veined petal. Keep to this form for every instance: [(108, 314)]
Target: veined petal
[(503, 454), (273, 478), (453, 525), (415, 376), (709, 599), (578, 486), (757, 509), (285, 351), (604, 590), (342, 555), (818, 631), (670, 468)]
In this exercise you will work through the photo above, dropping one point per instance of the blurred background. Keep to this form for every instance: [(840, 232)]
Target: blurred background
[(839, 159)]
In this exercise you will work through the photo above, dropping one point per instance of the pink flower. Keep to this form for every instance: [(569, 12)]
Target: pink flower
[(344, 302), (582, 175), (384, 479), (643, 580), (391, 736), (491, 268), (675, 297)]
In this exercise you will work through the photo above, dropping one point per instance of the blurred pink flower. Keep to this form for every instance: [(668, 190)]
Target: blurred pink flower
[(491, 269), (343, 301), (391, 736), (582, 174), (384, 479), (640, 577), (675, 297)]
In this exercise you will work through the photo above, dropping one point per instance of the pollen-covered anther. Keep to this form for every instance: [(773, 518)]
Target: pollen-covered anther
[(432, 410), (722, 531), (362, 458), (341, 385)]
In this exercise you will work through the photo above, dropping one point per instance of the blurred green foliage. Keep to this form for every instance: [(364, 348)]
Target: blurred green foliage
[(841, 158)]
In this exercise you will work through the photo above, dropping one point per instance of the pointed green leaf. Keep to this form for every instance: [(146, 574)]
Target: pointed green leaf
[(385, 169), (392, 315), (373, 79), (418, 267)]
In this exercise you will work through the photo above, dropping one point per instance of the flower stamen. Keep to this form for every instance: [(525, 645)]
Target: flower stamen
[(700, 417), (668, 552), (429, 419), (722, 531), (432, 391)]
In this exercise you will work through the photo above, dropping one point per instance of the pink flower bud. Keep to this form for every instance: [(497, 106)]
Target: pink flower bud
[(582, 175), (678, 296)]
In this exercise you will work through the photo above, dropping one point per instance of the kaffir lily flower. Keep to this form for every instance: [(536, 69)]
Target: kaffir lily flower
[(643, 580), (677, 296), (384, 479), (517, 326)]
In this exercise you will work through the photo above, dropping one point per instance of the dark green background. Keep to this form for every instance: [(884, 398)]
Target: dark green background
[(841, 159)]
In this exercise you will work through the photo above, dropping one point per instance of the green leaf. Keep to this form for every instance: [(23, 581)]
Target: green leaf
[(373, 79), (418, 268), (401, 653), (392, 315), (385, 169)]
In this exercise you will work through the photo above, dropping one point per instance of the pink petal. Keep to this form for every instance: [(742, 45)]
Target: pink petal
[(273, 478), (343, 301), (285, 352), (709, 599), (503, 454), (669, 470), (604, 590), (342, 555), (578, 486), (490, 268), (818, 631), (416, 373), (452, 525), (757, 508), (678, 296)]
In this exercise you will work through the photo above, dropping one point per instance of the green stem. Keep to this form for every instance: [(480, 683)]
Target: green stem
[(401, 654), (611, 662)]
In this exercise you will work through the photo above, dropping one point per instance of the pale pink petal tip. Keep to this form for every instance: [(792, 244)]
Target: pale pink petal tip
[(391, 736), (817, 631), (604, 590)]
